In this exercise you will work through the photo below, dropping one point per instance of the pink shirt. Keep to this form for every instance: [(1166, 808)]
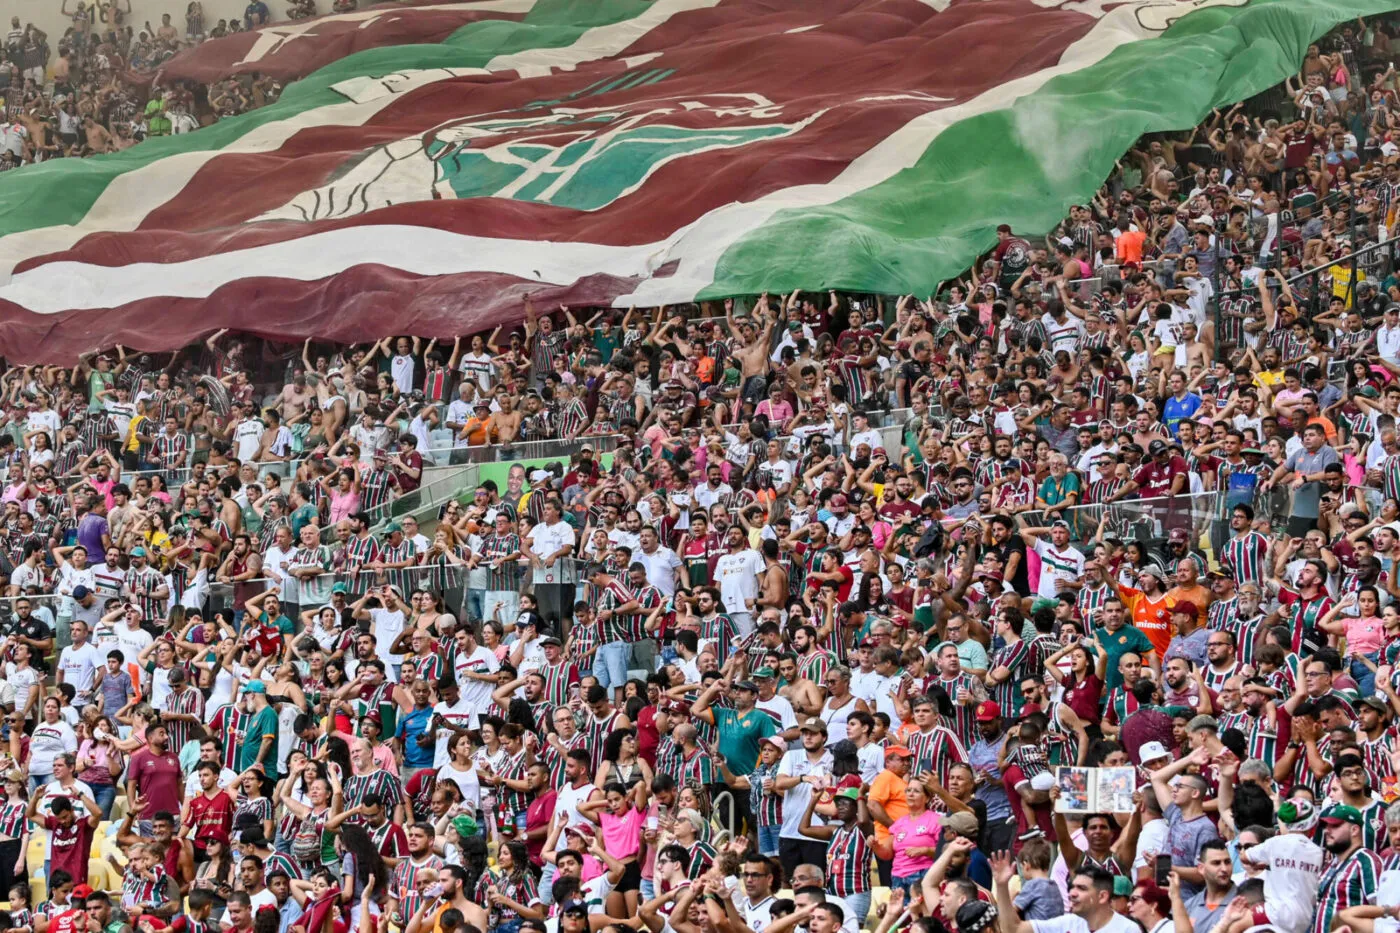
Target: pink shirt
[(910, 832), (777, 414), (622, 835), (1365, 636)]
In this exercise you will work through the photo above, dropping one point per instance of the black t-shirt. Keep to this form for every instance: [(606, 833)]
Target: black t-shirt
[(1020, 580)]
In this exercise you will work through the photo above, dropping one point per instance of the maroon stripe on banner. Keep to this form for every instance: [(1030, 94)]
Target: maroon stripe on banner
[(886, 48), (839, 75), (329, 39), (343, 308)]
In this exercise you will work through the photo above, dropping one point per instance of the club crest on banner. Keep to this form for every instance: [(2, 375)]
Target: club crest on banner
[(550, 152)]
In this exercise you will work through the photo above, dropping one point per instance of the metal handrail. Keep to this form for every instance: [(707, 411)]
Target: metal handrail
[(1317, 270)]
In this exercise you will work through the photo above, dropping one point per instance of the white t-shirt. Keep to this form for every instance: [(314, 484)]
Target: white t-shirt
[(1290, 882), (460, 714), (227, 778), (1056, 565), (247, 436), (131, 643), (781, 711), (1073, 923), (737, 575), (868, 436), (476, 693), (796, 764), (661, 566), (478, 366), (401, 367), (387, 626), (79, 665), (50, 739), (22, 680), (546, 540)]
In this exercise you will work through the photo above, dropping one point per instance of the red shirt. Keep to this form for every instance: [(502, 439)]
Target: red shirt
[(414, 461), (1025, 821), (70, 846), (1155, 481), (210, 814), (158, 779), (1083, 698), (539, 814)]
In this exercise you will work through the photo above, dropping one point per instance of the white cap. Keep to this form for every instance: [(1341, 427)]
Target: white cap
[(540, 476), (1151, 751)]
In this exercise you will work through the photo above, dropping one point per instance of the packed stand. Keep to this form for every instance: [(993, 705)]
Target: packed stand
[(93, 90), (1064, 600)]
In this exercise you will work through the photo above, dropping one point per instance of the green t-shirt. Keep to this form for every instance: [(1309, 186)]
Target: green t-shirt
[(263, 723), (1116, 644), (301, 517), (605, 344), (739, 735)]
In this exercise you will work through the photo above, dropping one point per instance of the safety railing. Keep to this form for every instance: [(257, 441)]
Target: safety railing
[(1143, 520)]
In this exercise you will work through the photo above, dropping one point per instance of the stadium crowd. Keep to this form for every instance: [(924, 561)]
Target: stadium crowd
[(792, 612), (95, 89)]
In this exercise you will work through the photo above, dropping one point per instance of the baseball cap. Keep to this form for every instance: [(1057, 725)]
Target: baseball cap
[(1375, 702), (748, 685), (838, 501), (81, 891), (539, 476), (776, 741), (900, 750), (853, 793), (962, 823), (1151, 751), (80, 592), (340, 588), (819, 725), (138, 552), (1156, 447), (1185, 607), (381, 453), (988, 710), (763, 673), (1060, 523), (550, 640), (1298, 814), (391, 528), (255, 686), (1341, 813), (1122, 886), (1177, 535)]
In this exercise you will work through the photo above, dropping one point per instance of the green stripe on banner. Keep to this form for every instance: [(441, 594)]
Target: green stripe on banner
[(63, 190), (1024, 165)]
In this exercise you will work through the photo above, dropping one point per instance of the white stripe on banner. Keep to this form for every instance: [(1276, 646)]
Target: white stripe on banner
[(696, 248), (130, 197)]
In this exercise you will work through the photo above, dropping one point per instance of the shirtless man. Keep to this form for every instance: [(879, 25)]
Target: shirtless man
[(1192, 348), (296, 398), (505, 424), (753, 356), (804, 695), (773, 582), (98, 139)]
